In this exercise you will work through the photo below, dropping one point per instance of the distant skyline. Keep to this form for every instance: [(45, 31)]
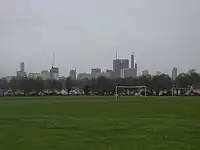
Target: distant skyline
[(87, 34)]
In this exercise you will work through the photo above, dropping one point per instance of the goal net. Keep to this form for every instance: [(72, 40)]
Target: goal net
[(130, 91)]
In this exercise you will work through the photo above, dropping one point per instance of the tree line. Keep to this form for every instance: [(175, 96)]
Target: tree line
[(101, 85)]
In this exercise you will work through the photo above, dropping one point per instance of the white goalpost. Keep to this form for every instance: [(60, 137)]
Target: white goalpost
[(129, 88)]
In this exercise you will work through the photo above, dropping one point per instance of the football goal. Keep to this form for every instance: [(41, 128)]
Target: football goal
[(130, 91), (181, 91)]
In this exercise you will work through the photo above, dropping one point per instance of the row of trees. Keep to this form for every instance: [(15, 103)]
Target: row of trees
[(26, 85), (102, 85)]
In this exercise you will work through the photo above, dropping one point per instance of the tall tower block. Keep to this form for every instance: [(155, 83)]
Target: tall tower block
[(22, 66), (132, 61)]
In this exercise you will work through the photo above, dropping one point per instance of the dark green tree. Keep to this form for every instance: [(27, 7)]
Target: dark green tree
[(86, 89), (38, 85), (68, 85), (3, 85)]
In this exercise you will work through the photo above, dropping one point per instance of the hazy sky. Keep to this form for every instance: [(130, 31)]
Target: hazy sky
[(87, 33)]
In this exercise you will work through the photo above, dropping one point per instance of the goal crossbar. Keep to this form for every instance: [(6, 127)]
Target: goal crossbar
[(174, 89), (180, 88), (129, 87)]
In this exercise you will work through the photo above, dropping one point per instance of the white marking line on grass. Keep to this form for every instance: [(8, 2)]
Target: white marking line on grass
[(27, 116), (164, 119), (45, 117)]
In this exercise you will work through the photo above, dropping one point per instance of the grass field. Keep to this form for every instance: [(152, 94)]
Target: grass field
[(100, 123)]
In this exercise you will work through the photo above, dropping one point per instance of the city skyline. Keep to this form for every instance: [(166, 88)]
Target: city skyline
[(121, 66), (131, 62), (163, 34)]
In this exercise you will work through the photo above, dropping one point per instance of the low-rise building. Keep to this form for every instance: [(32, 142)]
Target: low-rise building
[(96, 72), (21, 74), (145, 72), (45, 74), (108, 74), (34, 75), (9, 78), (82, 76)]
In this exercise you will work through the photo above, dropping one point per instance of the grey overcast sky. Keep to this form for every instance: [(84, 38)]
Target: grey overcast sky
[(86, 33)]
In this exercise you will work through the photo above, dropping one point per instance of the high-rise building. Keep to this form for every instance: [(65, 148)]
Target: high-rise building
[(21, 72), (119, 64), (72, 74), (22, 66), (132, 61), (135, 66), (116, 68), (174, 73), (116, 65), (54, 73), (125, 63)]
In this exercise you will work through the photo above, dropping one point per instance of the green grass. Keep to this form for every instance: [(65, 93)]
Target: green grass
[(100, 123)]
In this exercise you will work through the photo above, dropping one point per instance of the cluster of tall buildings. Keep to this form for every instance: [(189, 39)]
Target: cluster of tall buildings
[(122, 68), (95, 73), (53, 73)]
